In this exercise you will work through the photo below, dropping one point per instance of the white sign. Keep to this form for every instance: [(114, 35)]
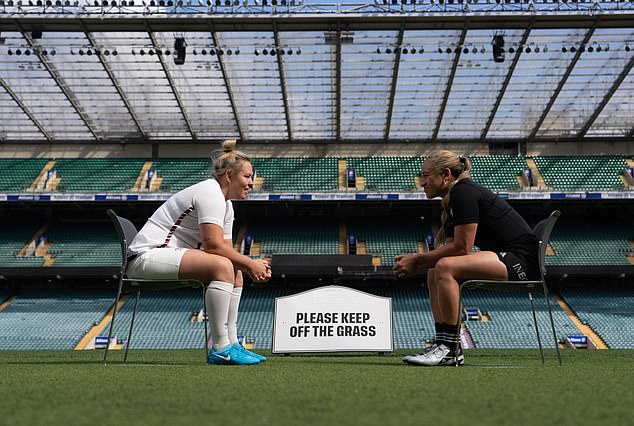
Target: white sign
[(333, 319)]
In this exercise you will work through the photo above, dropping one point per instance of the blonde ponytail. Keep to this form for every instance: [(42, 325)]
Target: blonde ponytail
[(460, 168)]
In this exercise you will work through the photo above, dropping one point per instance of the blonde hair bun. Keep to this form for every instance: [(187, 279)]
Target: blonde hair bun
[(229, 145)]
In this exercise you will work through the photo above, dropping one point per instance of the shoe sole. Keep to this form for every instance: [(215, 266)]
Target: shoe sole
[(443, 363), (218, 361)]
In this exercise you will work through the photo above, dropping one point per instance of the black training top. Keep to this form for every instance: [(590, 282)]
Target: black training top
[(500, 227)]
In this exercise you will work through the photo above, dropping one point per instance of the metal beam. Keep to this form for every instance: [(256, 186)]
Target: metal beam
[(397, 62), (170, 81), (280, 67), (115, 83), (314, 22), (454, 67), (223, 71), (285, 142), (562, 82), (62, 86), (615, 86), (25, 110), (505, 85)]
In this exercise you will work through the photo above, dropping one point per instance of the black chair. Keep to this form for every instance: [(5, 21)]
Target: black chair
[(542, 231), (126, 232)]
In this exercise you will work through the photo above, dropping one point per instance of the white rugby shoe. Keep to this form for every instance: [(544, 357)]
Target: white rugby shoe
[(425, 350), (440, 355)]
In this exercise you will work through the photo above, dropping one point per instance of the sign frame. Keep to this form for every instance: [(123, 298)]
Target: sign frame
[(388, 320)]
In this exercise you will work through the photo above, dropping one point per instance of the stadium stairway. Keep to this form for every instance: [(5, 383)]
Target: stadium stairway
[(98, 329), (597, 341), (537, 176), (7, 302)]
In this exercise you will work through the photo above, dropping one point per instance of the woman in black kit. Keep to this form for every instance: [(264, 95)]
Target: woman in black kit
[(472, 215)]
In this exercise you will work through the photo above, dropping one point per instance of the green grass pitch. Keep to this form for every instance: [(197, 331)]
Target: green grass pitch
[(161, 387)]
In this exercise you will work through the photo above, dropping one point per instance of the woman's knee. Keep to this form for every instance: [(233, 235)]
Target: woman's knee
[(206, 267), (443, 268), (222, 270)]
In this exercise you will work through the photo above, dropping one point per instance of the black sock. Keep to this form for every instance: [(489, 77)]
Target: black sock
[(451, 336)]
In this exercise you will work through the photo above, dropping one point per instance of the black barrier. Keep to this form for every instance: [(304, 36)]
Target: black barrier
[(319, 264)]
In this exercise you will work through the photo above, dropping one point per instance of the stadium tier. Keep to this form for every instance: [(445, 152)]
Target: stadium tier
[(17, 174), (13, 240), (413, 321), (604, 243), (296, 174), (50, 320), (307, 174), (510, 320), (387, 238), (163, 320), (305, 236), (179, 173), (497, 172), (387, 173), (608, 312), (97, 174), (83, 244), (581, 172), (46, 320)]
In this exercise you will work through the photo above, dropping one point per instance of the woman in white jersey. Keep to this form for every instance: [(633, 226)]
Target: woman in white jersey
[(189, 237)]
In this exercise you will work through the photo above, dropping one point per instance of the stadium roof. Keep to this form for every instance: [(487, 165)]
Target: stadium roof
[(420, 71)]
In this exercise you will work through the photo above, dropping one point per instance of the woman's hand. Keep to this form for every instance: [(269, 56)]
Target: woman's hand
[(259, 270), (406, 265)]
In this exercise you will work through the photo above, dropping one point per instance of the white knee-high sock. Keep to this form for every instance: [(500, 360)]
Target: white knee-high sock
[(232, 319), (217, 299)]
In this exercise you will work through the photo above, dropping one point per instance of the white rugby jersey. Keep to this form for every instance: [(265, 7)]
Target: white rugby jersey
[(175, 223)]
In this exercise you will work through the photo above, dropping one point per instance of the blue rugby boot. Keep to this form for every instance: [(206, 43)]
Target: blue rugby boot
[(230, 355), (242, 349)]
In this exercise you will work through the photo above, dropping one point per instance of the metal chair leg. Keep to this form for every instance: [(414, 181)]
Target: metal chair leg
[(127, 345), (539, 340), (552, 324), (114, 315)]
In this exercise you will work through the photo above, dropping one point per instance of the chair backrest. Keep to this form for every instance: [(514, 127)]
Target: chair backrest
[(126, 232), (542, 231)]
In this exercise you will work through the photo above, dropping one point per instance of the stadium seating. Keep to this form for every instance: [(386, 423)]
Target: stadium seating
[(163, 320), (608, 312), (97, 174), (510, 322), (83, 244), (310, 236), (50, 320), (316, 174), (605, 243), (413, 320), (255, 318), (58, 320), (297, 174), (497, 172), (581, 172), (17, 174), (388, 240), (387, 173), (179, 173), (13, 240)]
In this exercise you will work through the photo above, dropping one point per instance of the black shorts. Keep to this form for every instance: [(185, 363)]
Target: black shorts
[(518, 267)]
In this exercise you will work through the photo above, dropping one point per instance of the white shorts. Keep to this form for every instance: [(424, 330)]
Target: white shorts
[(156, 264)]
